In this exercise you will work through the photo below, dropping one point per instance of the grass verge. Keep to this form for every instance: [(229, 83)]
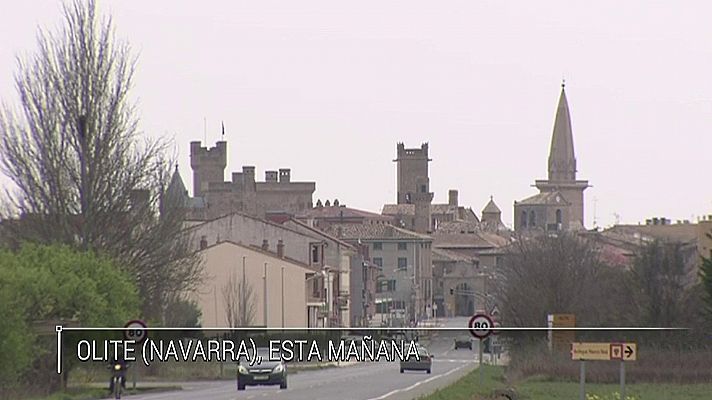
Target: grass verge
[(87, 393), (469, 388)]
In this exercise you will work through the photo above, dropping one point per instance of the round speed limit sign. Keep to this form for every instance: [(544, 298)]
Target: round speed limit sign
[(135, 330), (480, 326)]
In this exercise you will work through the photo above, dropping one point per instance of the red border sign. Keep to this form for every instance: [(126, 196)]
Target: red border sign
[(477, 331), (130, 334)]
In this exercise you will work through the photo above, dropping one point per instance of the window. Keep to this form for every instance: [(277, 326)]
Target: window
[(523, 220), (386, 286), (532, 219), (378, 261), (402, 263), (558, 216), (423, 189), (315, 254), (402, 246), (316, 288), (377, 246)]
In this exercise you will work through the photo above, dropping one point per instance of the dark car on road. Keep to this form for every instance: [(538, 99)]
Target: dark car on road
[(463, 342), (266, 372), (423, 362)]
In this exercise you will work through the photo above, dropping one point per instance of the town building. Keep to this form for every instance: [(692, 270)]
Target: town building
[(559, 204), (329, 256), (622, 242), (404, 287), (458, 289), (274, 288), (325, 214)]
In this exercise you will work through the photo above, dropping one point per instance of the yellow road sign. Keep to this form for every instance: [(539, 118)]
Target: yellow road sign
[(604, 351)]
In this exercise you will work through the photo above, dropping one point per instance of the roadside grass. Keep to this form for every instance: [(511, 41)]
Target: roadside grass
[(468, 387), (540, 388), (536, 389), (87, 393)]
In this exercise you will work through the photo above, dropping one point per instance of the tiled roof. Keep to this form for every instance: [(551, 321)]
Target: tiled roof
[(479, 239), (409, 209), (317, 232), (398, 209), (458, 226), (447, 255), (443, 209), (340, 211), (546, 198), (372, 231)]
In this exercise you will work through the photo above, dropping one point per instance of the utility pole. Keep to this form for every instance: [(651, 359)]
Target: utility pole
[(243, 300), (282, 296), (264, 291)]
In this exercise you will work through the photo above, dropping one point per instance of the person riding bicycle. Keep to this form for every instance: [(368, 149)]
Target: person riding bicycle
[(118, 359)]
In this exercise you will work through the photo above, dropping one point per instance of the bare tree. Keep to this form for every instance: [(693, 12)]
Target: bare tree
[(83, 174), (562, 273), (661, 272), (239, 299)]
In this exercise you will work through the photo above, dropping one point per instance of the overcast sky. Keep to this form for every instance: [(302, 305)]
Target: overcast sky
[(327, 89)]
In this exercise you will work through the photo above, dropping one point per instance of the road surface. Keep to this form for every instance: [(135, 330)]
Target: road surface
[(363, 381)]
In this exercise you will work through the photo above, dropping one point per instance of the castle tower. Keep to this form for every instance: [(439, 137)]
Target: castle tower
[(413, 183), (208, 165), (562, 164)]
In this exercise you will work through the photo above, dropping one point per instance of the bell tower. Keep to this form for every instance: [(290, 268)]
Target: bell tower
[(413, 184)]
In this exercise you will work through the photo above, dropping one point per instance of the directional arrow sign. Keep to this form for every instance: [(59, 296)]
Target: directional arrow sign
[(604, 351), (630, 352)]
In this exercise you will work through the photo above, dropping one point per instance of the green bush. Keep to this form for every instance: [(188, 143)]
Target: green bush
[(41, 283)]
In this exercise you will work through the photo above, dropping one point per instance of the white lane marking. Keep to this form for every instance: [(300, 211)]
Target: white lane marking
[(413, 386)]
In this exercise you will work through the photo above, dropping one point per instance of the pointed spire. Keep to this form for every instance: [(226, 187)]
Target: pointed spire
[(176, 189), (223, 129), (491, 207), (562, 161)]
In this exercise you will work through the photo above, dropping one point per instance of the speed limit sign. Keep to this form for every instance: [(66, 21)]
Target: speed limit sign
[(135, 330), (480, 326)]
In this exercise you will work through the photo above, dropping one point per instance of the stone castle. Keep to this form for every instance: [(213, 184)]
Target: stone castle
[(214, 197)]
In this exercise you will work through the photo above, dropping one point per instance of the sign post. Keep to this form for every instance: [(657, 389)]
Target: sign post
[(135, 330), (604, 352), (622, 380), (582, 381), (480, 327)]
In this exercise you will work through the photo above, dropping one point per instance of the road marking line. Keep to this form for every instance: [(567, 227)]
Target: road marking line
[(413, 386)]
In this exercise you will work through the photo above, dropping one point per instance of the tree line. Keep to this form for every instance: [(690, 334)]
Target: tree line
[(88, 230), (567, 273)]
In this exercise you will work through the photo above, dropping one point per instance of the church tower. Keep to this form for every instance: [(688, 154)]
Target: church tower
[(562, 165), (414, 184)]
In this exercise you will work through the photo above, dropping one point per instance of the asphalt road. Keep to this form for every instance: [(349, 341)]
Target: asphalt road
[(363, 381)]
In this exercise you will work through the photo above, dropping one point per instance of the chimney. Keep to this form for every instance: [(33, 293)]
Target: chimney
[(280, 249), (248, 173), (284, 175), (265, 245), (203, 243), (452, 197), (271, 176)]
